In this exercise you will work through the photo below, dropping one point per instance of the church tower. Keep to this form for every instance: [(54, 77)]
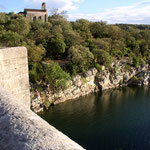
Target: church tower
[(43, 6)]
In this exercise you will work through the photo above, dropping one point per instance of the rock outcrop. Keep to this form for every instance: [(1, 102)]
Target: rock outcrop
[(120, 74), (22, 129), (116, 76), (78, 86)]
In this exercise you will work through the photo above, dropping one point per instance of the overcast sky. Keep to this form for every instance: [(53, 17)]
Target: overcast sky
[(112, 11)]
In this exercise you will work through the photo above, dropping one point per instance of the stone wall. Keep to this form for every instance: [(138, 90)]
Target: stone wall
[(14, 72), (37, 15), (22, 129)]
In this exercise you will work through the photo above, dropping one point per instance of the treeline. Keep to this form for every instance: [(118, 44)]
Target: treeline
[(82, 43)]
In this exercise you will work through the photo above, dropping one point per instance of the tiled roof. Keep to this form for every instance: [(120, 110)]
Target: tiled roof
[(36, 10)]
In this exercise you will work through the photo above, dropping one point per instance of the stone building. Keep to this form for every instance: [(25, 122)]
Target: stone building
[(34, 14)]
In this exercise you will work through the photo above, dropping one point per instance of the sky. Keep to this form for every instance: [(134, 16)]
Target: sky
[(111, 11)]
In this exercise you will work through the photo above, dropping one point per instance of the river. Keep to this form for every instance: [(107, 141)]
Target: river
[(109, 120)]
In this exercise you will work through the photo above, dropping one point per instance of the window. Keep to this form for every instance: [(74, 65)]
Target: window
[(34, 18)]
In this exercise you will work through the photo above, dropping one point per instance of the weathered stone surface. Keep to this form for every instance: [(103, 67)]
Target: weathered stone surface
[(109, 79), (22, 129), (14, 72)]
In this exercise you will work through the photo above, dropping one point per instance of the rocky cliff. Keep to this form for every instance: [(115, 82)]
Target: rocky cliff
[(118, 75)]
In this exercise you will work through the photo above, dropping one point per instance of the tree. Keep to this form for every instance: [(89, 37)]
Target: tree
[(10, 39), (3, 18), (82, 27), (20, 25), (72, 38), (81, 57), (102, 44), (36, 53), (114, 32), (55, 47), (56, 77), (99, 29), (102, 57)]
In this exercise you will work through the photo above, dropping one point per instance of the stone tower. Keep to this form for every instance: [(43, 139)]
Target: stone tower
[(43, 6)]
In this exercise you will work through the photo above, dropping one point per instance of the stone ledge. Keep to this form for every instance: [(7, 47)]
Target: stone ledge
[(22, 129)]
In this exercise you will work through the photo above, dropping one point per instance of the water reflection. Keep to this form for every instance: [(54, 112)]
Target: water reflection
[(106, 120)]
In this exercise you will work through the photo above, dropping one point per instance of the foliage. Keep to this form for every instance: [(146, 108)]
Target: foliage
[(46, 104), (83, 80), (98, 67), (135, 62), (55, 47), (36, 53), (102, 57), (11, 39), (19, 25), (83, 43), (81, 57), (51, 74)]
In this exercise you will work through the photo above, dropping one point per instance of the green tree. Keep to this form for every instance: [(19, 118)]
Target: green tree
[(10, 39), (36, 53), (81, 57), (3, 18), (55, 47), (20, 25), (102, 57), (99, 29)]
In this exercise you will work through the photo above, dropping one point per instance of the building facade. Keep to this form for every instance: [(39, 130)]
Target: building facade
[(34, 14)]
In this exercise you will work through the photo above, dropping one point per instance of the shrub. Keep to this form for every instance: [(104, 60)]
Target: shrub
[(56, 77), (135, 62), (46, 104), (98, 67), (83, 80), (102, 57)]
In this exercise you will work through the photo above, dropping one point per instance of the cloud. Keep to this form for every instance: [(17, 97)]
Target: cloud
[(60, 4), (138, 13)]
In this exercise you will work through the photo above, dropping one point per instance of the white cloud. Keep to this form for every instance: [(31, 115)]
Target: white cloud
[(138, 13), (60, 4)]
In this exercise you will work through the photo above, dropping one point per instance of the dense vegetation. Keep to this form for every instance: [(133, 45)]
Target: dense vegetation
[(82, 44)]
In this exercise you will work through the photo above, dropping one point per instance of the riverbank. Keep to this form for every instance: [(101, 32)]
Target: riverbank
[(120, 74)]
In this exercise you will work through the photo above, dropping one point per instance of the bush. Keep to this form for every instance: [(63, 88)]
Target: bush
[(51, 74), (81, 57), (56, 77), (102, 57), (83, 80), (46, 104), (98, 67), (135, 62)]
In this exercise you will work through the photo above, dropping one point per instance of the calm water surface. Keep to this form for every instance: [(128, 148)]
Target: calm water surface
[(111, 120)]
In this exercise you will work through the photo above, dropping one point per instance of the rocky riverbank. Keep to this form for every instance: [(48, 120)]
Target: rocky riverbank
[(120, 74)]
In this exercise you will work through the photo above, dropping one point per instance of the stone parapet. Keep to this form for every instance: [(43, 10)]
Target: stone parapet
[(14, 76), (22, 129)]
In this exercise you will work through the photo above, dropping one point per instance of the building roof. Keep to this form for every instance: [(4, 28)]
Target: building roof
[(34, 10)]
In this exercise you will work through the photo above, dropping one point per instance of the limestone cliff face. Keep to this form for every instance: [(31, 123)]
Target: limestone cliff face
[(93, 81), (117, 76), (78, 86)]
